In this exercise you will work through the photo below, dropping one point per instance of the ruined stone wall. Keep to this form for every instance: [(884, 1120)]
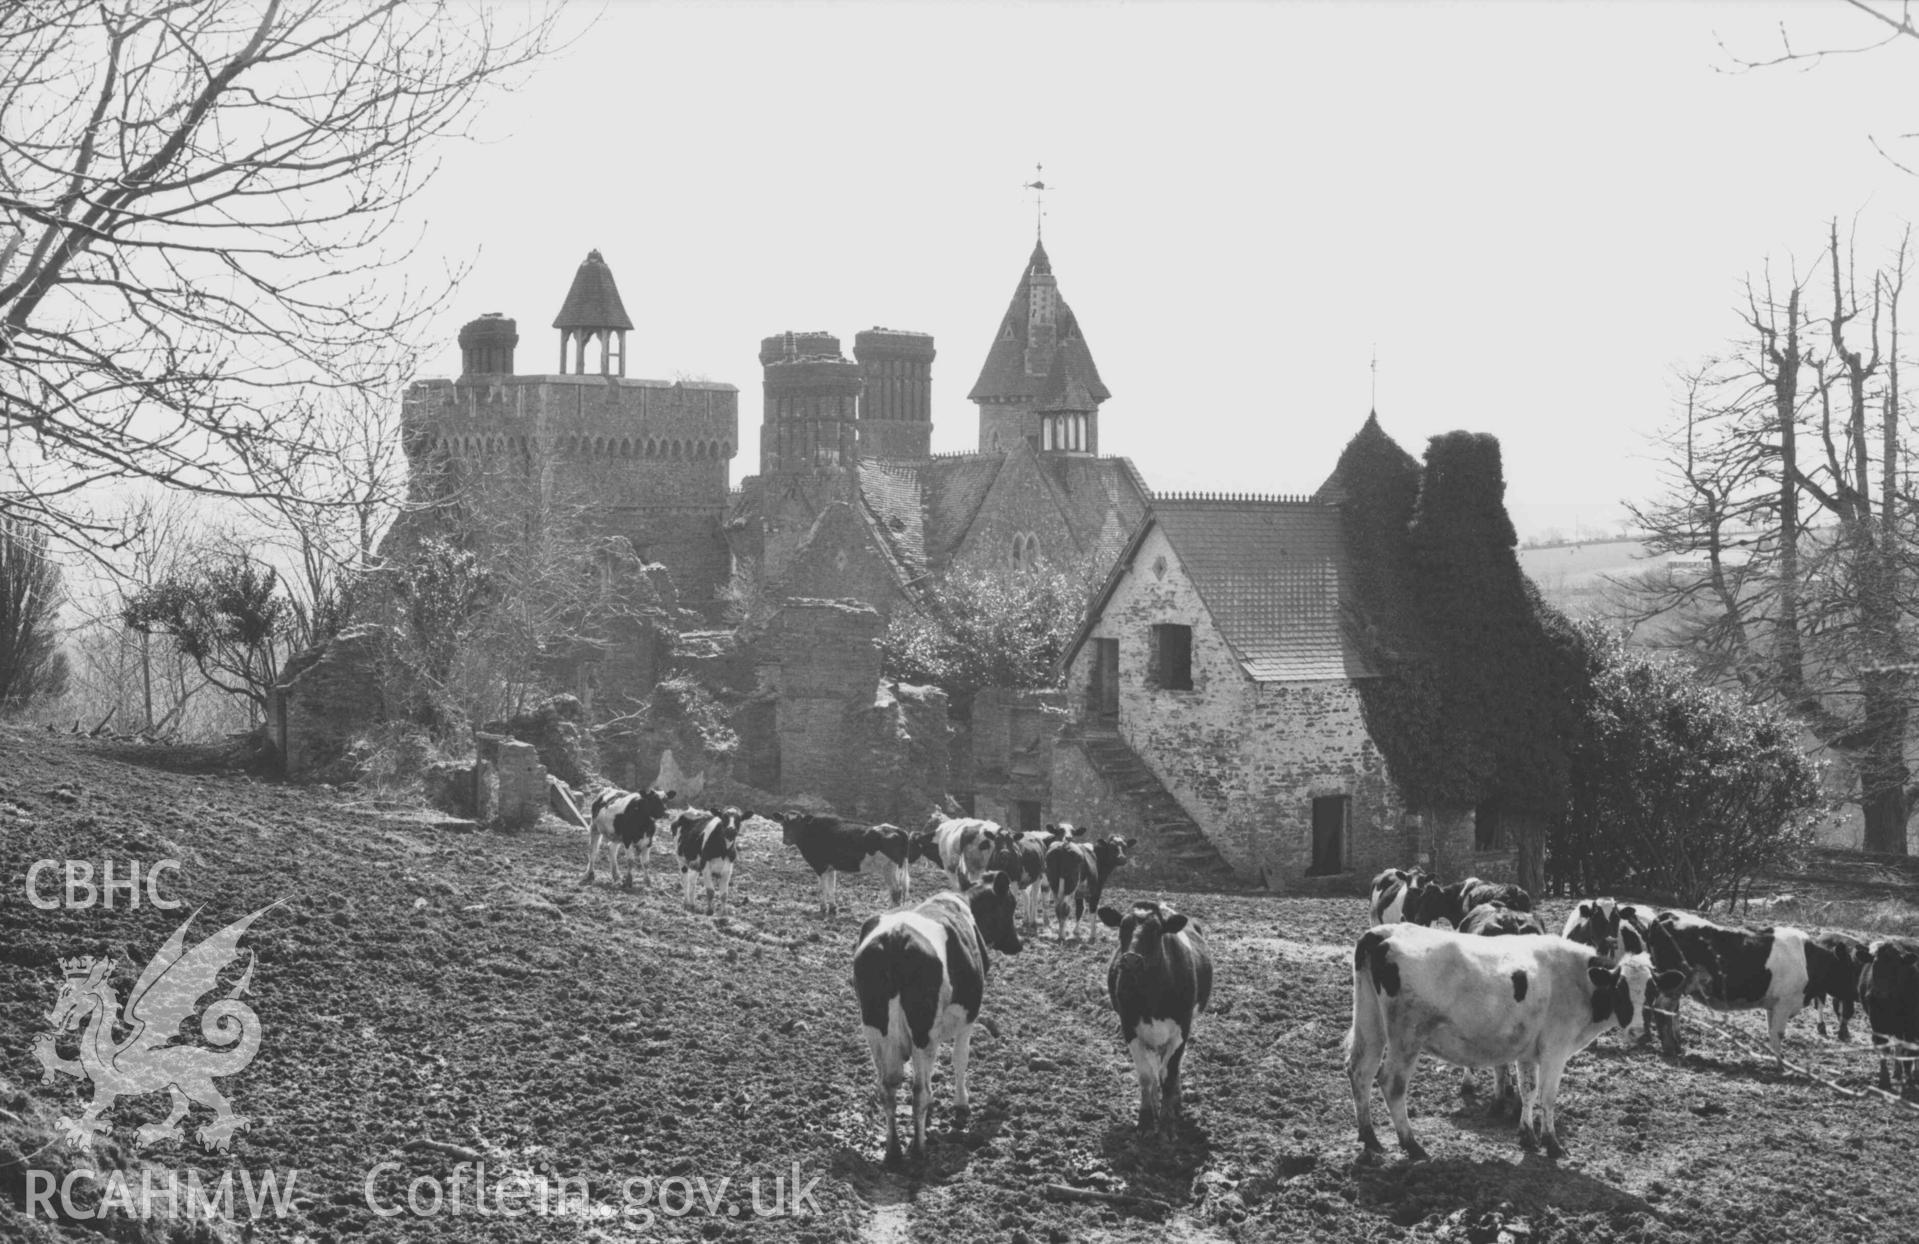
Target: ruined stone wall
[(332, 694), (1011, 753), (1246, 760), (645, 459), (829, 666)]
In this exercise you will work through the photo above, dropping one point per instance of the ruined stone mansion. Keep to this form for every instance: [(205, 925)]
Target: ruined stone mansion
[(1209, 709)]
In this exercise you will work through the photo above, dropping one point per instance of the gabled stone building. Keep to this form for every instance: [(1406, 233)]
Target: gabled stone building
[(851, 503)]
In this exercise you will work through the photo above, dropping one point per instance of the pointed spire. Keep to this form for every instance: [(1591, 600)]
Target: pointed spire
[(594, 300)]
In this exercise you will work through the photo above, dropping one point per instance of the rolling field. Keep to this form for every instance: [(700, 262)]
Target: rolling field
[(433, 1001)]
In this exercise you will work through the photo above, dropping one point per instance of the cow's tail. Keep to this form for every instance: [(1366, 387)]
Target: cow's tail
[(1366, 1039)]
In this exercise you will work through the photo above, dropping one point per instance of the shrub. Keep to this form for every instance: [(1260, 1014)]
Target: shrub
[(1679, 789)]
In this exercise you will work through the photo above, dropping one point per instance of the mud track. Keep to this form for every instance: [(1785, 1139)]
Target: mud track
[(431, 997)]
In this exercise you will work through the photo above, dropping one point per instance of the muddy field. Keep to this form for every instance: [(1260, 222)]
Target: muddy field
[(431, 998)]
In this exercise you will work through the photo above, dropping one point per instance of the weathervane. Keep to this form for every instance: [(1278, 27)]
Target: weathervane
[(1038, 187), (1374, 404)]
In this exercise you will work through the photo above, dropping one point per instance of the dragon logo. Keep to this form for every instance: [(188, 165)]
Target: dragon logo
[(145, 1060)]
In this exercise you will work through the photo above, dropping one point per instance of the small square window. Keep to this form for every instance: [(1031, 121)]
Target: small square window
[(1028, 815), (1173, 657)]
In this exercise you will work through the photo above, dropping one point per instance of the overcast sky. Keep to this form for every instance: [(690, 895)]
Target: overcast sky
[(1534, 212)]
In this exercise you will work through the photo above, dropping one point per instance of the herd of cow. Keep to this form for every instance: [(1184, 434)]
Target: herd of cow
[(1494, 989), (1536, 1000)]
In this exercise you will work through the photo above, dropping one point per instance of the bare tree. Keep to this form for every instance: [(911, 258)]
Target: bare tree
[(31, 664), (198, 207), (1788, 485)]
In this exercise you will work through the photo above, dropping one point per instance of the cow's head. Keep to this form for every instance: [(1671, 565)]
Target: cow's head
[(1674, 976), (791, 822), (653, 803), (1109, 853), (1596, 924), (994, 905), (1895, 974), (1428, 901), (1004, 855), (1061, 832), (1141, 929), (731, 819), (1620, 990)]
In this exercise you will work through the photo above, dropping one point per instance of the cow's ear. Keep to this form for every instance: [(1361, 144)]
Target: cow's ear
[(1602, 999), (1598, 973), (1173, 923), (670, 794), (1109, 917)]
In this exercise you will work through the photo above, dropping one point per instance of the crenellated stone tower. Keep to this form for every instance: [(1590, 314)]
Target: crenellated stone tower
[(643, 459)]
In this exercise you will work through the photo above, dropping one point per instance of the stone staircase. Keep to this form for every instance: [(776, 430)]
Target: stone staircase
[(1176, 851)]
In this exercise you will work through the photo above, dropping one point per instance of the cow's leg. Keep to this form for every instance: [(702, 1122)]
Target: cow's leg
[(1146, 1067), (1528, 1104), (726, 886), (592, 854), (889, 1063), (922, 1096), (1777, 1017), (1365, 1050), (689, 878), (1399, 1079), (962, 1105), (1844, 1011), (1169, 1107), (1059, 911), (645, 849), (1548, 1078)]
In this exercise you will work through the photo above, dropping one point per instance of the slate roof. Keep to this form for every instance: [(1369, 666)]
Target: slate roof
[(955, 488), (1009, 372), (594, 300), (1271, 574), (890, 493)]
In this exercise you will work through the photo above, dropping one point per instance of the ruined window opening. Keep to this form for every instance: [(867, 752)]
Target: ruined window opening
[(1173, 656), (1489, 830), (1027, 815)]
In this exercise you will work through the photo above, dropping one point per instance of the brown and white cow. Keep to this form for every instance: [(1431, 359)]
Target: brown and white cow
[(1889, 991), (920, 976), (625, 821), (1079, 870), (1834, 970), (1478, 1002), (831, 847), (1393, 891), (1160, 978), (964, 846), (709, 846)]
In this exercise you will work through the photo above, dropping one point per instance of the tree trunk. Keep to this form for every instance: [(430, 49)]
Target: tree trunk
[(1883, 772)]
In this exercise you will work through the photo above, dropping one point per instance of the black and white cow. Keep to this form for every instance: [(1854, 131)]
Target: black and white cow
[(1078, 870), (920, 976), (1478, 1002), (831, 847), (1835, 962), (1161, 977), (1023, 858), (1889, 990), (964, 846), (1451, 902), (1492, 920), (1392, 891), (625, 821), (709, 846), (1613, 929), (1730, 969)]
